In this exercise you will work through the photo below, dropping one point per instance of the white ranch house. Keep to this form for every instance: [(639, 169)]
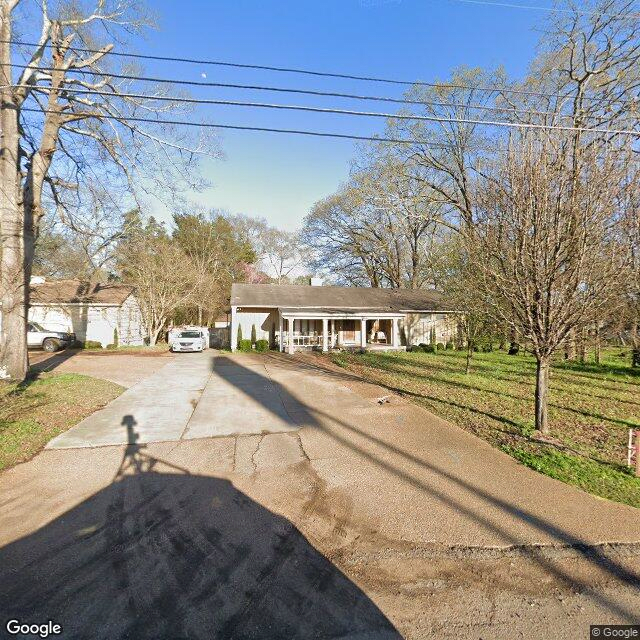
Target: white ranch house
[(301, 317), (91, 310)]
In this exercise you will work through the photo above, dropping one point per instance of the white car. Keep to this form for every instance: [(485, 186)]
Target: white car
[(190, 340)]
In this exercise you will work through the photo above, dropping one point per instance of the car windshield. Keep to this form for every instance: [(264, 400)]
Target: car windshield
[(36, 327), (190, 334)]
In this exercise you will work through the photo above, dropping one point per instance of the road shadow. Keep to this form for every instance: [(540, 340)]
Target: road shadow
[(174, 555), (377, 451)]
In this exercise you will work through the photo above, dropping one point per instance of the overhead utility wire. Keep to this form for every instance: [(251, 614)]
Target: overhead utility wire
[(312, 92), (513, 5), (303, 132), (309, 72), (320, 93), (375, 114)]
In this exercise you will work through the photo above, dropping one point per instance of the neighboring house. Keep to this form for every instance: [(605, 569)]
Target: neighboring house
[(93, 311), (296, 317), (223, 320)]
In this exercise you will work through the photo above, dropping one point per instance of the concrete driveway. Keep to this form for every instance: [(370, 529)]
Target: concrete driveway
[(325, 514), (195, 395)]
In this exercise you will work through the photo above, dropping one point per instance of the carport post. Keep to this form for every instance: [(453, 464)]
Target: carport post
[(281, 328), (290, 327), (395, 333), (325, 334), (363, 333), (234, 328)]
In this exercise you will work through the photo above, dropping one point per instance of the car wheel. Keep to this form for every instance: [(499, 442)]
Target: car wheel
[(50, 345)]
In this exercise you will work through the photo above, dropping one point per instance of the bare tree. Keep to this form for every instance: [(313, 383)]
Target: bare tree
[(381, 229), (65, 119), (164, 276), (544, 248), (279, 252)]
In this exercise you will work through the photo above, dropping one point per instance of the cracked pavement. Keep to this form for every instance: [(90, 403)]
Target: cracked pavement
[(324, 514)]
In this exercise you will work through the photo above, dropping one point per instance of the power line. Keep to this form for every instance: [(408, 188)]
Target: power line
[(491, 89), (320, 93), (250, 87), (304, 132), (375, 114), (513, 5)]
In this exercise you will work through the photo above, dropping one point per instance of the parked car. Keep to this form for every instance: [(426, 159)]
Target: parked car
[(189, 340), (40, 338)]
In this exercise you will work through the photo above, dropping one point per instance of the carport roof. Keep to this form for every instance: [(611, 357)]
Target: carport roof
[(292, 296)]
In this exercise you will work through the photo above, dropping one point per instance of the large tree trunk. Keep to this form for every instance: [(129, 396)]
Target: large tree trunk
[(542, 390), (13, 277), (635, 345)]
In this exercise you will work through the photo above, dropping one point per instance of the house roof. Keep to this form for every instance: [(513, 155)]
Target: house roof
[(305, 296), (79, 291)]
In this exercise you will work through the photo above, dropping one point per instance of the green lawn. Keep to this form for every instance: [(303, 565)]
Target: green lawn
[(591, 409), (34, 412)]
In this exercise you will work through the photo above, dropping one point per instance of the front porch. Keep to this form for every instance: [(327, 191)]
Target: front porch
[(327, 330)]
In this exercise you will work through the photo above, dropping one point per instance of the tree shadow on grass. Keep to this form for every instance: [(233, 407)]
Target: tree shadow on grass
[(174, 555), (387, 368)]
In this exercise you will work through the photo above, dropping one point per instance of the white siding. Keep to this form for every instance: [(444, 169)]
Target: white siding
[(88, 322), (130, 326), (95, 323), (265, 320)]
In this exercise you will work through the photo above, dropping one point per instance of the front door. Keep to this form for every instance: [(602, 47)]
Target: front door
[(348, 330)]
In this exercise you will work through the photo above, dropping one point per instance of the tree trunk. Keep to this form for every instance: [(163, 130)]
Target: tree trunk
[(635, 346), (542, 389), (469, 356), (596, 339), (570, 346), (582, 347), (13, 278), (153, 336)]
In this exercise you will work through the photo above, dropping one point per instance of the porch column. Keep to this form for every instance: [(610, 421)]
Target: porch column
[(290, 321), (234, 329), (281, 329), (333, 332), (363, 333), (395, 333), (325, 334)]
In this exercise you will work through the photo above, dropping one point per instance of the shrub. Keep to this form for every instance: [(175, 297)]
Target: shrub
[(253, 334), (450, 345), (262, 345), (115, 338), (112, 346), (91, 344), (244, 345), (239, 340), (440, 346), (429, 348)]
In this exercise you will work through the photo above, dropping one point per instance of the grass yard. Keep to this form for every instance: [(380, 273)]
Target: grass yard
[(591, 409), (32, 413), (147, 350)]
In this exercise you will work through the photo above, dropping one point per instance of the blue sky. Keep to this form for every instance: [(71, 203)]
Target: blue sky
[(279, 177)]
